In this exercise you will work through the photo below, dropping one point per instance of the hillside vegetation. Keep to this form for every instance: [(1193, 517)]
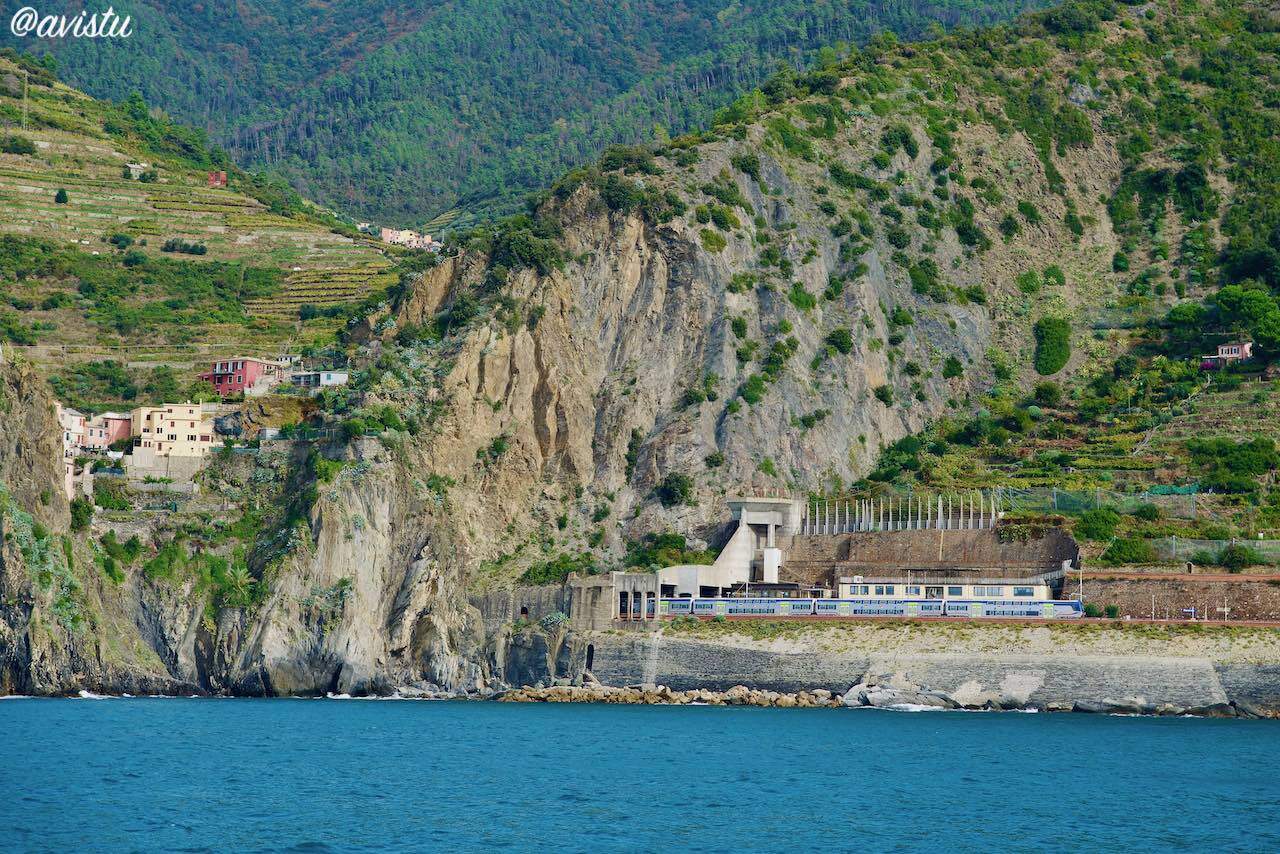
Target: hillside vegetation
[(135, 272), (402, 111)]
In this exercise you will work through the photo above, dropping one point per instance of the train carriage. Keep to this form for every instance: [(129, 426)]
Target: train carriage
[(868, 607)]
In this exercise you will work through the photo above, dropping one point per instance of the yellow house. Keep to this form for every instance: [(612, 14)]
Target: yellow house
[(172, 430)]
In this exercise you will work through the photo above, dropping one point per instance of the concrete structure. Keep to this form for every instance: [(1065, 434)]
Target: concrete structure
[(105, 429), (930, 548), (314, 381), (1235, 351), (72, 424), (170, 441), (245, 375), (136, 170), (971, 510), (217, 179), (751, 554), (938, 563)]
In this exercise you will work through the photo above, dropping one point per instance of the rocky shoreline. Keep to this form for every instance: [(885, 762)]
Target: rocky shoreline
[(865, 694)]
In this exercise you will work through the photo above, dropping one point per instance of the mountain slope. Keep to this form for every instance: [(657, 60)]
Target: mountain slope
[(894, 244), (401, 112)]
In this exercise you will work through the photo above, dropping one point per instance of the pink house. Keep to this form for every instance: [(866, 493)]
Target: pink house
[(243, 375), (1235, 351), (104, 430)]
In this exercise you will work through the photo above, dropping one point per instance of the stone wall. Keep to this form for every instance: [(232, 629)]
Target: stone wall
[(812, 558), (499, 607), (1167, 597), (1014, 680)]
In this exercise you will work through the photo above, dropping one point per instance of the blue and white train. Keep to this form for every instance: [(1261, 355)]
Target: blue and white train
[(747, 607)]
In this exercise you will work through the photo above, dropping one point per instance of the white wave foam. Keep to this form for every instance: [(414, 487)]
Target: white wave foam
[(89, 695), (914, 707)]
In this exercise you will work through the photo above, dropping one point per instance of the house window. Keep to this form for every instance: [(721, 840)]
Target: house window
[(1024, 591), (988, 591), (913, 590), (884, 589), (955, 591), (858, 589)]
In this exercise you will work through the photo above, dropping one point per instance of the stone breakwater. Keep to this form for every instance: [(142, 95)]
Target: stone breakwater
[(866, 694)]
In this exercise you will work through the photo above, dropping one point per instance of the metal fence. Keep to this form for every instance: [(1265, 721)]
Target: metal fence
[(1181, 548), (1178, 502)]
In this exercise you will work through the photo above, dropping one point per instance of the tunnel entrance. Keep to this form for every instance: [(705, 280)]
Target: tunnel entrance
[(591, 655)]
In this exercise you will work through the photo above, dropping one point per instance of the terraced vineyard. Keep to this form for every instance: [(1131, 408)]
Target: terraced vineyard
[(322, 289), (65, 181)]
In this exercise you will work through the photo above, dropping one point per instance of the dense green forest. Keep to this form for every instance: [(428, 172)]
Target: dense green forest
[(401, 111)]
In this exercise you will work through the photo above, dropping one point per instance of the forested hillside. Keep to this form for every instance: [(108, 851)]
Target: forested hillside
[(402, 111)]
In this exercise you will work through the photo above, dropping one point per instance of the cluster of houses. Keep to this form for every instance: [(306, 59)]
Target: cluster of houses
[(254, 377), (406, 237), (169, 443)]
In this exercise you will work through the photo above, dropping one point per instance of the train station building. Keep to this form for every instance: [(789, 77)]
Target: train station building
[(930, 549)]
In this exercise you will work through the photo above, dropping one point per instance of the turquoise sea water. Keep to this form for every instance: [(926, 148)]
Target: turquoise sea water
[(320, 775)]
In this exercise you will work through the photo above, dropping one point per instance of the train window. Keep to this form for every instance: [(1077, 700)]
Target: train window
[(955, 591), (995, 592), (1024, 591)]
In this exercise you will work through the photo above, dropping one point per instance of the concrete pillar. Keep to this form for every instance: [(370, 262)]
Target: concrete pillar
[(769, 539), (949, 509)]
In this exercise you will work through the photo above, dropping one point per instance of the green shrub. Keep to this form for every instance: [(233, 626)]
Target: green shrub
[(558, 568), (898, 237), (801, 298), (1029, 281), (1237, 556), (81, 513), (60, 197), (1053, 345), (712, 240), (884, 394), (1128, 550), (1098, 525), (1113, 612), (1047, 393), (14, 144), (1146, 512), (841, 339), (657, 550), (952, 368), (675, 489)]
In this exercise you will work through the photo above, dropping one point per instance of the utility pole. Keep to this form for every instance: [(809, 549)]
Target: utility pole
[(26, 79)]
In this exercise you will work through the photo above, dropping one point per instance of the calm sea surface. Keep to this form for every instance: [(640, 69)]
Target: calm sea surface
[(319, 775)]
